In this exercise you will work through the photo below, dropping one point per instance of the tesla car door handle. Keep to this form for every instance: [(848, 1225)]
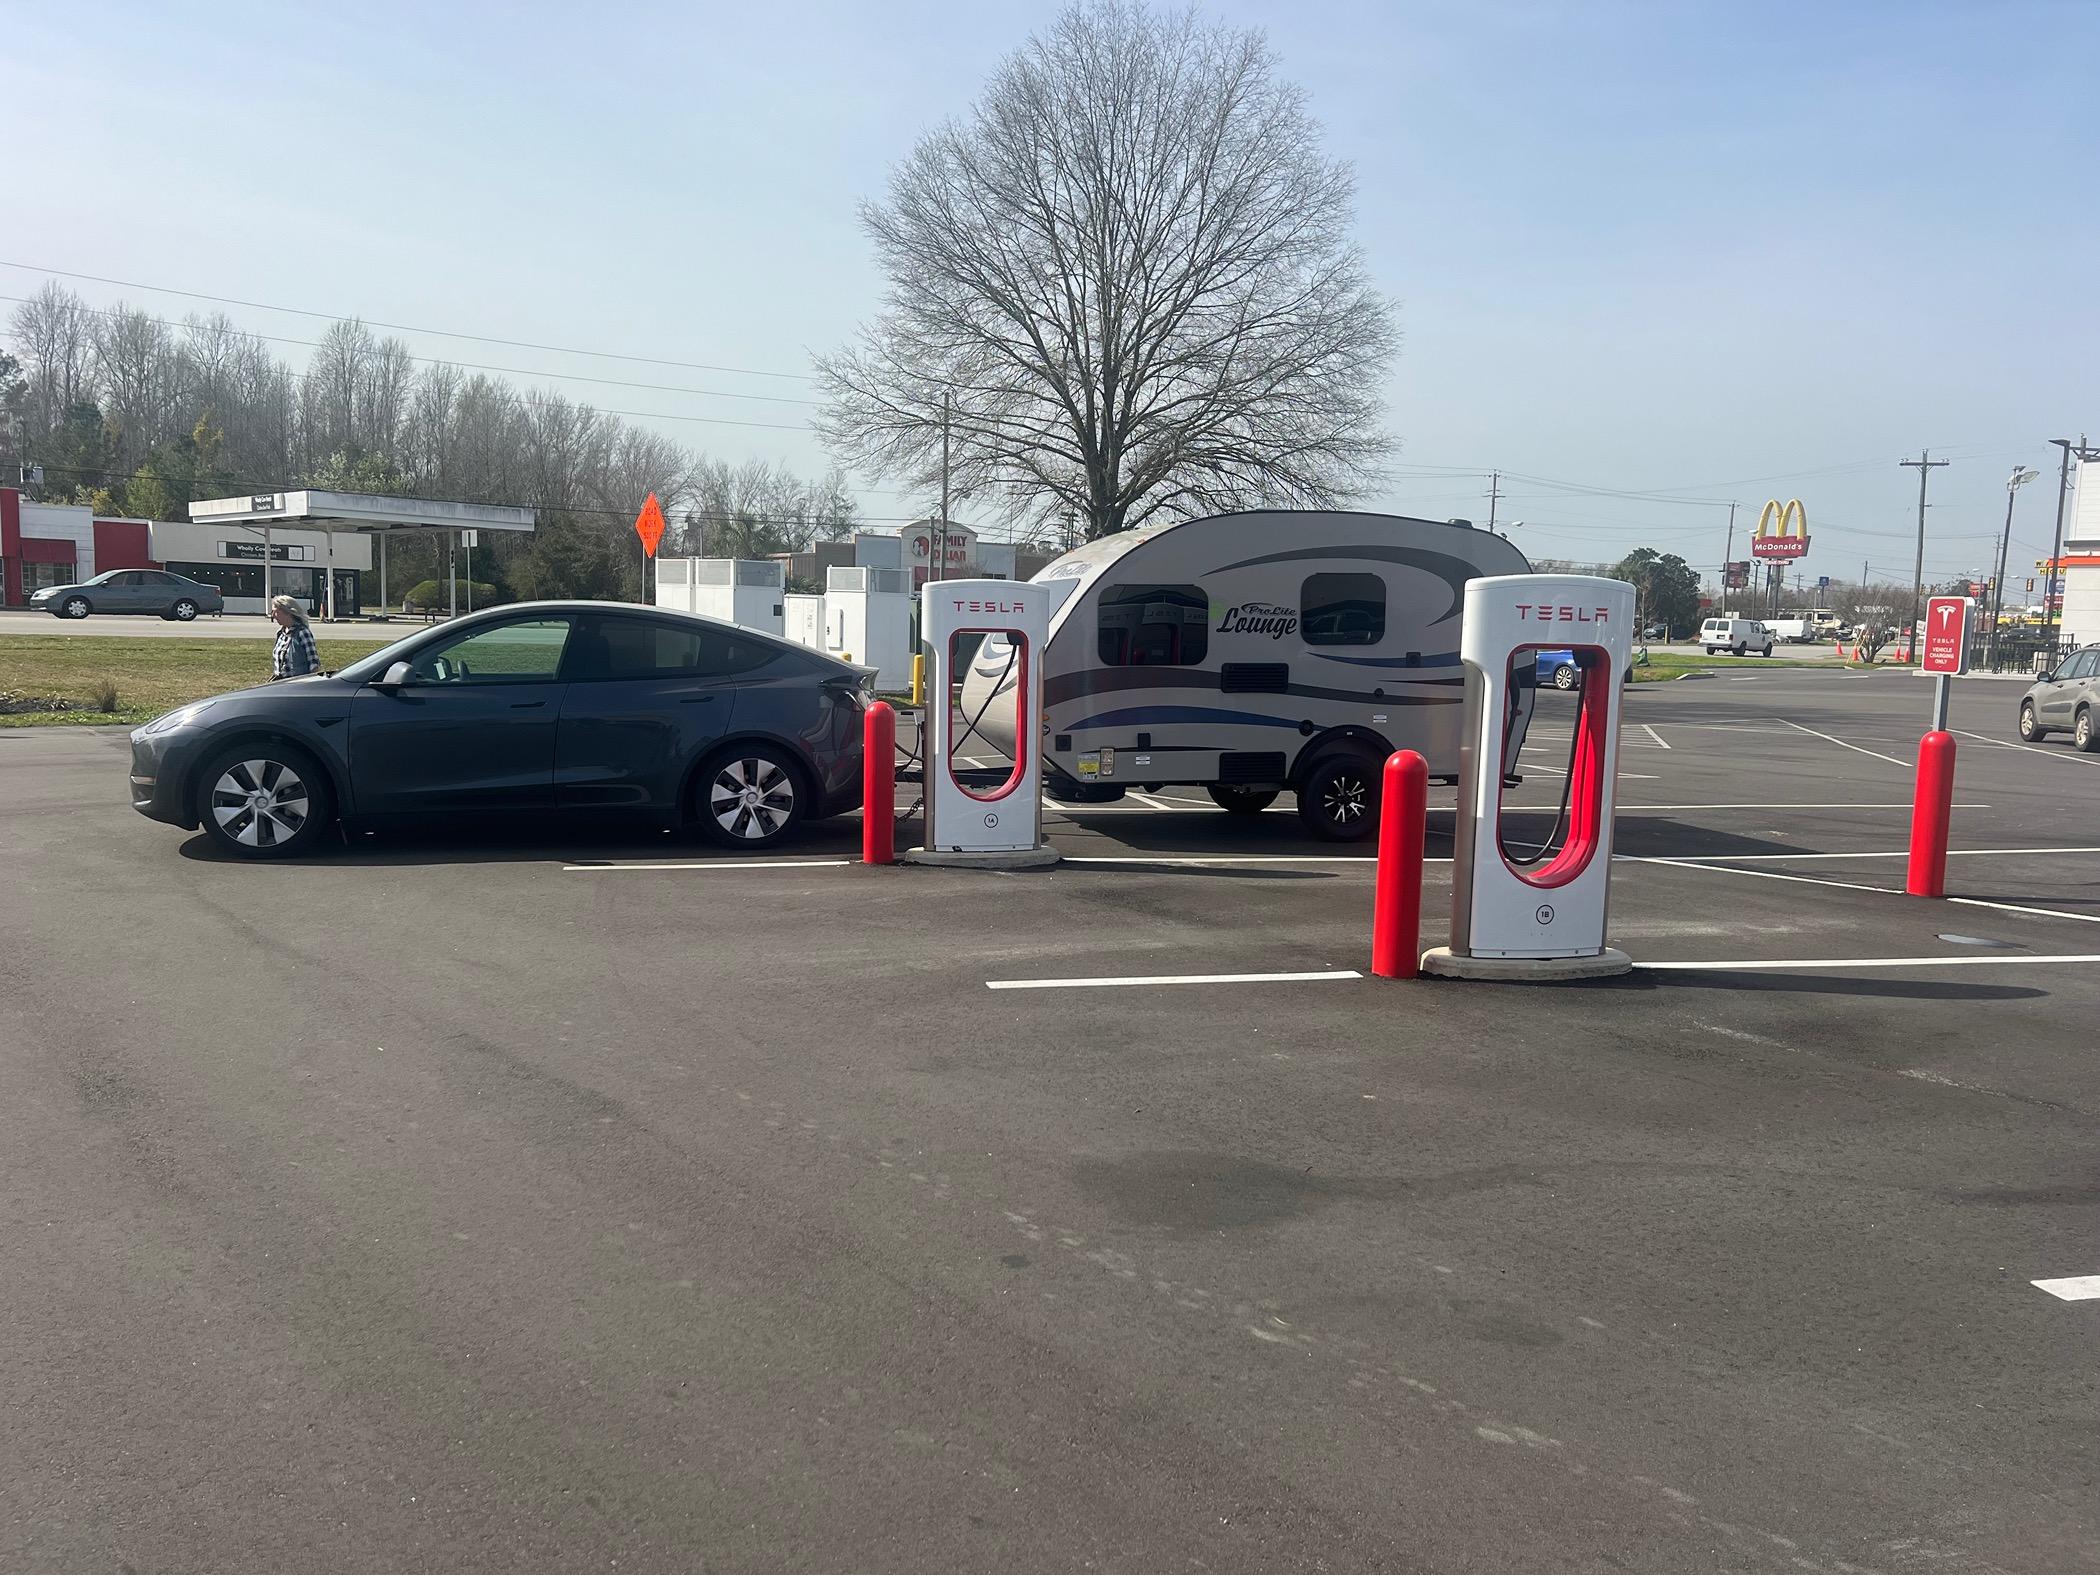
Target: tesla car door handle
[(696, 699), (526, 705)]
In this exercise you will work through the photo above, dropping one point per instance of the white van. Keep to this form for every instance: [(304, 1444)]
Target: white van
[(1739, 636)]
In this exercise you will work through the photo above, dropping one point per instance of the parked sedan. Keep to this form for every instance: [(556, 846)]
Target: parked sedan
[(131, 591), (2065, 701), (526, 710)]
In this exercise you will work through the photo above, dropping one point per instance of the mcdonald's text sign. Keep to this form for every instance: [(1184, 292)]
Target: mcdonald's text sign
[(1789, 539)]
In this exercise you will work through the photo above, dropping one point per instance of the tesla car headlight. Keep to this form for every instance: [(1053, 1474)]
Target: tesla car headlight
[(181, 716)]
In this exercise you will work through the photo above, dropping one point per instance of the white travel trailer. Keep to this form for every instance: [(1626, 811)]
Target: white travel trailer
[(1252, 653)]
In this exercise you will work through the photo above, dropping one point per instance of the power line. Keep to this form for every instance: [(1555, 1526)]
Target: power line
[(407, 328), (471, 366)]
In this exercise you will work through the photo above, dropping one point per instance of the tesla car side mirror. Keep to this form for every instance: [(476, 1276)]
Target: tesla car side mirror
[(394, 677)]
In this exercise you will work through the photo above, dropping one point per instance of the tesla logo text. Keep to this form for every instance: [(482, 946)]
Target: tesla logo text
[(1563, 614), (1259, 618), (986, 607), (1947, 610)]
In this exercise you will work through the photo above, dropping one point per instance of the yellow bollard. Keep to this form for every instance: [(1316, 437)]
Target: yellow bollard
[(918, 678)]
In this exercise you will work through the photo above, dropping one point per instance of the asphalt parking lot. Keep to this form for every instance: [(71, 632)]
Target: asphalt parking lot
[(557, 1204)]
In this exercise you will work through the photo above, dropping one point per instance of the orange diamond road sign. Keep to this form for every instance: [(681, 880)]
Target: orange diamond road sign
[(649, 525)]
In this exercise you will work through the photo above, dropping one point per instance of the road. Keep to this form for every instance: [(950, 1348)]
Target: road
[(558, 1203)]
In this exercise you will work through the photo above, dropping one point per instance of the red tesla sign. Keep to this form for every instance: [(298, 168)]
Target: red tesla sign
[(1947, 635)]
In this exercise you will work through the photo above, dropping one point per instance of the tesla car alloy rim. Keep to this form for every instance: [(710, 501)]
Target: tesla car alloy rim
[(259, 803), (751, 798)]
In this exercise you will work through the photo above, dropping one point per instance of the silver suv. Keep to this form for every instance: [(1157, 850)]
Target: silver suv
[(2067, 700)]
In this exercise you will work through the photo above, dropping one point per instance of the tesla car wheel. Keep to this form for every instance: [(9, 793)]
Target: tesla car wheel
[(183, 611), (1241, 800), (1565, 676), (2083, 733), (2030, 729), (1338, 800), (750, 799), (264, 800), (75, 607)]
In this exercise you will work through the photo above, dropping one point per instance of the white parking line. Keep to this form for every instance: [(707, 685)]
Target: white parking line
[(1229, 858), (2025, 749), (1760, 965), (1651, 732), (1146, 798), (1623, 808), (1898, 853), (1168, 978), (1727, 869), (2078, 1288), (2014, 907), (717, 864), (1877, 754)]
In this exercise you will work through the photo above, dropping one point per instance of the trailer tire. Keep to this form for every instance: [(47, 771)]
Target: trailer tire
[(1241, 800), (1338, 796)]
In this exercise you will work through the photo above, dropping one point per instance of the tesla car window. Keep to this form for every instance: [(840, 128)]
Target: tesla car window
[(642, 648), (507, 653)]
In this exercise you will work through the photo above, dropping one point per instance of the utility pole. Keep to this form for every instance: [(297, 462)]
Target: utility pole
[(2056, 551), (1925, 465), (1727, 553), (1494, 497)]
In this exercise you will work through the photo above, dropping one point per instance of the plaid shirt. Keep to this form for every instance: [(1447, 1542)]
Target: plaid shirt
[(294, 654)]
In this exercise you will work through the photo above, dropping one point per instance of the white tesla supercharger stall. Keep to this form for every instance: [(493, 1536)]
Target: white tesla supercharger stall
[(969, 821), (1536, 912)]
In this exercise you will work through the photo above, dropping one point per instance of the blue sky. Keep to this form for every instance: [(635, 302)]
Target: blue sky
[(1639, 247)]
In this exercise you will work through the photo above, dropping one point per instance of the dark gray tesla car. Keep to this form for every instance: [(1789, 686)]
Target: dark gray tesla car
[(538, 709)]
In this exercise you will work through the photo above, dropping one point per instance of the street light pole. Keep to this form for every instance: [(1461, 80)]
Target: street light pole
[(2020, 477)]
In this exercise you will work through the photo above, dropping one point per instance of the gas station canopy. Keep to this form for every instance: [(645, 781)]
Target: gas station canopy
[(363, 513), (359, 511)]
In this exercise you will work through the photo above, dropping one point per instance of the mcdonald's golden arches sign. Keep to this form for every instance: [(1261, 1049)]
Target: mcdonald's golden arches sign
[(1782, 531)]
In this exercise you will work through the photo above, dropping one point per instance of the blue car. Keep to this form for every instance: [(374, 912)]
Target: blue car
[(1558, 669)]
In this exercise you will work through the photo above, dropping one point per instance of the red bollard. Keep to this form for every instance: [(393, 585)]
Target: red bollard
[(1396, 916), (1931, 810), (878, 786)]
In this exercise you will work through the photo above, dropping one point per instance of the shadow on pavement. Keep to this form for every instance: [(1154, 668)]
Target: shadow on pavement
[(1831, 984), (530, 842)]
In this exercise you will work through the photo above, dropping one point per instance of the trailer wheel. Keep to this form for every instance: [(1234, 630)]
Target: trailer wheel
[(1241, 800), (1338, 797)]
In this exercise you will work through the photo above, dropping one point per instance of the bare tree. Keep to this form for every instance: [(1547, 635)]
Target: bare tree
[(54, 333), (1130, 268)]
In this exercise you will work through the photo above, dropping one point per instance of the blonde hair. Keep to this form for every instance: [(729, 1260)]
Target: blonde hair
[(287, 604)]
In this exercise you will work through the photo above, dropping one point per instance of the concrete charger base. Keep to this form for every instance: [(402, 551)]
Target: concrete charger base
[(1446, 964), (1014, 859)]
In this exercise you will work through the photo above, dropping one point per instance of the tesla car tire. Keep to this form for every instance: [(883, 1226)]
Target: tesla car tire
[(750, 797), (1338, 798), (264, 800)]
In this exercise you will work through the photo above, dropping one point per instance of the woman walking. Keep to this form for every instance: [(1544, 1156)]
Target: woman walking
[(294, 655)]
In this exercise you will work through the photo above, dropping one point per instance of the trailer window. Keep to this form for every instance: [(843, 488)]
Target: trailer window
[(1342, 609), (1154, 626)]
